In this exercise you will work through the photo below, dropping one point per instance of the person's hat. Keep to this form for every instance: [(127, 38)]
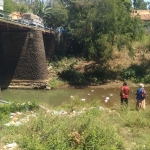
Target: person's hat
[(141, 85)]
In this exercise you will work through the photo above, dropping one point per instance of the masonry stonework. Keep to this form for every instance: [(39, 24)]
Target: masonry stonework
[(49, 43), (23, 57), (32, 61)]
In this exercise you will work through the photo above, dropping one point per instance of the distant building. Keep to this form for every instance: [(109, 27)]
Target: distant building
[(1, 4), (145, 16)]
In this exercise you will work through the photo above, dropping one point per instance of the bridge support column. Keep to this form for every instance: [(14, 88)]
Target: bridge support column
[(32, 62), (23, 60)]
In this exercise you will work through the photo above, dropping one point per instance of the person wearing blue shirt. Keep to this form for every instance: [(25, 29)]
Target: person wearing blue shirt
[(140, 103)]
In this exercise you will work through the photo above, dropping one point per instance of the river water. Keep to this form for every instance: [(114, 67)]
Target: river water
[(58, 96)]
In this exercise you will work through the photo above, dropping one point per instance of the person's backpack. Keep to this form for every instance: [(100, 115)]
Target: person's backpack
[(143, 94)]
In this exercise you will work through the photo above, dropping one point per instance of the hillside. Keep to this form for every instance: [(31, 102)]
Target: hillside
[(108, 74)]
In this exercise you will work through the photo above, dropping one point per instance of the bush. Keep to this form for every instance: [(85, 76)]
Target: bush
[(70, 133), (14, 107)]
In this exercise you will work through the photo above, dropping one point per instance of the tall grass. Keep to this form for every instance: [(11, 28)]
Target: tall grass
[(143, 44), (85, 126)]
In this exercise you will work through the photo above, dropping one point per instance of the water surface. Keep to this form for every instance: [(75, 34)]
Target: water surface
[(58, 96)]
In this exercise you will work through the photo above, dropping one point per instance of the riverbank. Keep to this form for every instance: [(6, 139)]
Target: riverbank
[(114, 84), (72, 72), (62, 85), (71, 126)]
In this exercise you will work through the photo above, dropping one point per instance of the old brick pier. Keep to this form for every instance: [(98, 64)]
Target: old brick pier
[(24, 52)]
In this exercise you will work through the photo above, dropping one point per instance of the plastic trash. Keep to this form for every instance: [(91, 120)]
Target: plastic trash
[(101, 108), (4, 101), (10, 146), (27, 109), (12, 114), (107, 98), (83, 99), (71, 96)]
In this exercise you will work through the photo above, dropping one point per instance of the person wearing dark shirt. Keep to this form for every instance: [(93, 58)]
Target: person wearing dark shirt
[(140, 97), (124, 94)]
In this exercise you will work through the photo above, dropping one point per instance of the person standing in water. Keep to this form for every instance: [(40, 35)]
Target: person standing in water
[(124, 94)]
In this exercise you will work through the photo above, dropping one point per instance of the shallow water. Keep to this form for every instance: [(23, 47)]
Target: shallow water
[(58, 96)]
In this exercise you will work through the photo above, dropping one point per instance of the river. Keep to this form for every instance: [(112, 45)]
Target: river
[(58, 96)]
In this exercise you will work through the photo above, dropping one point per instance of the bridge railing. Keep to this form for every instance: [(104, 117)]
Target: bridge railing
[(20, 20)]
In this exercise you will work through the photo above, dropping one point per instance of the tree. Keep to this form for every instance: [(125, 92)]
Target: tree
[(9, 6), (21, 7), (37, 7), (148, 5), (139, 4), (100, 25), (56, 15)]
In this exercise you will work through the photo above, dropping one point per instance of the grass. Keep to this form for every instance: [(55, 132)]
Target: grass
[(143, 44), (76, 126)]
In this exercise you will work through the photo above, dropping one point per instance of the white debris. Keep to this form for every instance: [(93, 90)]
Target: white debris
[(15, 123), (33, 115), (92, 90), (62, 112), (74, 112), (47, 110), (101, 108), (83, 99), (107, 98), (55, 112), (11, 146), (71, 96), (12, 114), (16, 120)]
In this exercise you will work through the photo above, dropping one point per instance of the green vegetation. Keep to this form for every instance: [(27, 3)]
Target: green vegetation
[(93, 31), (93, 28), (55, 83), (14, 107), (140, 4), (79, 70), (83, 126)]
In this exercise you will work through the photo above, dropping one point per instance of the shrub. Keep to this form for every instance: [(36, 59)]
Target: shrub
[(54, 83)]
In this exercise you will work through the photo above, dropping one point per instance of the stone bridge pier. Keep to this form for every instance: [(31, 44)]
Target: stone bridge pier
[(23, 59)]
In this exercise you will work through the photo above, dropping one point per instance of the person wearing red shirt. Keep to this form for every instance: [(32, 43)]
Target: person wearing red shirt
[(124, 94)]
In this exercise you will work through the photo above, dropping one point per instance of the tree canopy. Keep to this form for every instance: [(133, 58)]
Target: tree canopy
[(140, 4), (96, 25)]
